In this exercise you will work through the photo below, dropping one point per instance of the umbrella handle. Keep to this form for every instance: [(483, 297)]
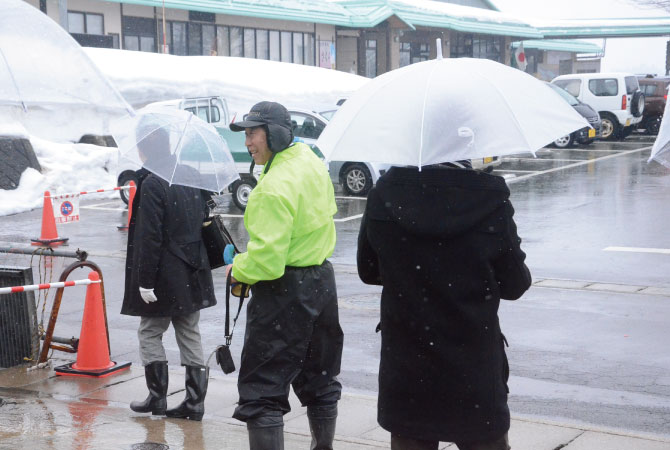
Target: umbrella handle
[(466, 132)]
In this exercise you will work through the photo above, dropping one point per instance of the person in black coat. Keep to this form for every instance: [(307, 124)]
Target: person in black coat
[(443, 244), (168, 278)]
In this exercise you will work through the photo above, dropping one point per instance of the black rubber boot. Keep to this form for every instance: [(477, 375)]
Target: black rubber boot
[(266, 432), (156, 375), (322, 421), (193, 406)]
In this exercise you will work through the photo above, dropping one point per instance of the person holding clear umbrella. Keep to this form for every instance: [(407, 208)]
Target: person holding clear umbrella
[(168, 278), (443, 244)]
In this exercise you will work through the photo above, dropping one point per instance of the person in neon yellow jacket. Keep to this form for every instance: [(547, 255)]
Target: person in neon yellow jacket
[(293, 335)]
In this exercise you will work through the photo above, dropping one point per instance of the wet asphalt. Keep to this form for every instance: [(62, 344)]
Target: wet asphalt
[(588, 342)]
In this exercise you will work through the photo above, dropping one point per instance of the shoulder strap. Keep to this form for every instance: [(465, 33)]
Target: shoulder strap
[(229, 285)]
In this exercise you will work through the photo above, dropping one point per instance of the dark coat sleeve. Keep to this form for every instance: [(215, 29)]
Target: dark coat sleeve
[(150, 224), (511, 272), (366, 258)]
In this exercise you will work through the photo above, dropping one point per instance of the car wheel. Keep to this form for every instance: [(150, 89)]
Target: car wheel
[(124, 180), (637, 104), (564, 142), (241, 190), (610, 126), (653, 124), (356, 179)]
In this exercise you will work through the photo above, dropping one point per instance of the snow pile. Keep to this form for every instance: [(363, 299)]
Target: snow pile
[(66, 168), (148, 77), (144, 78)]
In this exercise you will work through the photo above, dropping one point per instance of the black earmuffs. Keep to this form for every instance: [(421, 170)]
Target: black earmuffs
[(278, 136)]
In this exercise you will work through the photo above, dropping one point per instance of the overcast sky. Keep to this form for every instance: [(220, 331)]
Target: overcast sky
[(636, 55)]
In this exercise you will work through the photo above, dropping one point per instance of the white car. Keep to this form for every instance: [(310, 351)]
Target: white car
[(357, 178), (616, 96)]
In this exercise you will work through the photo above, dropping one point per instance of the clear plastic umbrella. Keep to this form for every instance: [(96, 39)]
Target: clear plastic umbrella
[(660, 151), (447, 110), (177, 146), (42, 65)]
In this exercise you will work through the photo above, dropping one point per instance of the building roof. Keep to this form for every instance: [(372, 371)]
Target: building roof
[(602, 28), (561, 45), (415, 13), (361, 13)]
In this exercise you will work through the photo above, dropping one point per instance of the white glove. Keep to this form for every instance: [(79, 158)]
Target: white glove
[(148, 295)]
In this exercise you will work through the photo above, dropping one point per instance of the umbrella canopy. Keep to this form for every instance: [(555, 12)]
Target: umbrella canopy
[(447, 110), (177, 146), (42, 65), (660, 151)]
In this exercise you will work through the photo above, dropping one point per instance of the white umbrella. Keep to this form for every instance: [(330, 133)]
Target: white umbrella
[(447, 110), (177, 146), (661, 148), (42, 65)]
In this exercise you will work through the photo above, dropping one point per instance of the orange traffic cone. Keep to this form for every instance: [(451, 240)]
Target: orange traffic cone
[(131, 197), (93, 352), (49, 235)]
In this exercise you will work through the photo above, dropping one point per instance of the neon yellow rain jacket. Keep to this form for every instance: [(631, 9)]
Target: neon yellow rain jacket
[(289, 217)]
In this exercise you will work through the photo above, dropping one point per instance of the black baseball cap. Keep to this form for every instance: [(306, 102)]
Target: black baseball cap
[(264, 113)]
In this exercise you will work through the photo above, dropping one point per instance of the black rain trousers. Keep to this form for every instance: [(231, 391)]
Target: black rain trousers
[(293, 337)]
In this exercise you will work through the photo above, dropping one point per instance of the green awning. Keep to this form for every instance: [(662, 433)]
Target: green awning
[(561, 45), (605, 28), (360, 13)]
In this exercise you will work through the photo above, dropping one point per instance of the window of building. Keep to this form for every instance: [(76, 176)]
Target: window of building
[(478, 46), (262, 50), (249, 43), (139, 33), (194, 38), (275, 49), (418, 52), (85, 23), (371, 58), (286, 46), (209, 40), (404, 54), (115, 40), (310, 50), (222, 41), (298, 48), (236, 41)]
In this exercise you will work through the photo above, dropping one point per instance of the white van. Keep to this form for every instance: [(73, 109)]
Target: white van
[(616, 96)]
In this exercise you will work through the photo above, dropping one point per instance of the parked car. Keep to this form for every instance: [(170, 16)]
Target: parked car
[(213, 110), (616, 96), (586, 135), (655, 91), (357, 178)]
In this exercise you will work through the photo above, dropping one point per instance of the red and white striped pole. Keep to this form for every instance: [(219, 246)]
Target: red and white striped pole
[(38, 287), (118, 188)]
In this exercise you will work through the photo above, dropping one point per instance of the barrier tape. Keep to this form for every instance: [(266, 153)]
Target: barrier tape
[(38, 287), (72, 194)]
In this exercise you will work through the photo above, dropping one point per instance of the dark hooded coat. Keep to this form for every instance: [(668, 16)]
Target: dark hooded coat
[(165, 250), (444, 246)]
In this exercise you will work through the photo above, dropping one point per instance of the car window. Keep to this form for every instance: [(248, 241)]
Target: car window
[(328, 114), (563, 93), (632, 85), (306, 126), (199, 112), (649, 90), (216, 115), (604, 87), (572, 86)]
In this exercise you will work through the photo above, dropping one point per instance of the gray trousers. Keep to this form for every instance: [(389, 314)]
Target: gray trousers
[(150, 334)]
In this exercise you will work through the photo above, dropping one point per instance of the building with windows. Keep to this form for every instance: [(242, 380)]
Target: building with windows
[(366, 37)]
